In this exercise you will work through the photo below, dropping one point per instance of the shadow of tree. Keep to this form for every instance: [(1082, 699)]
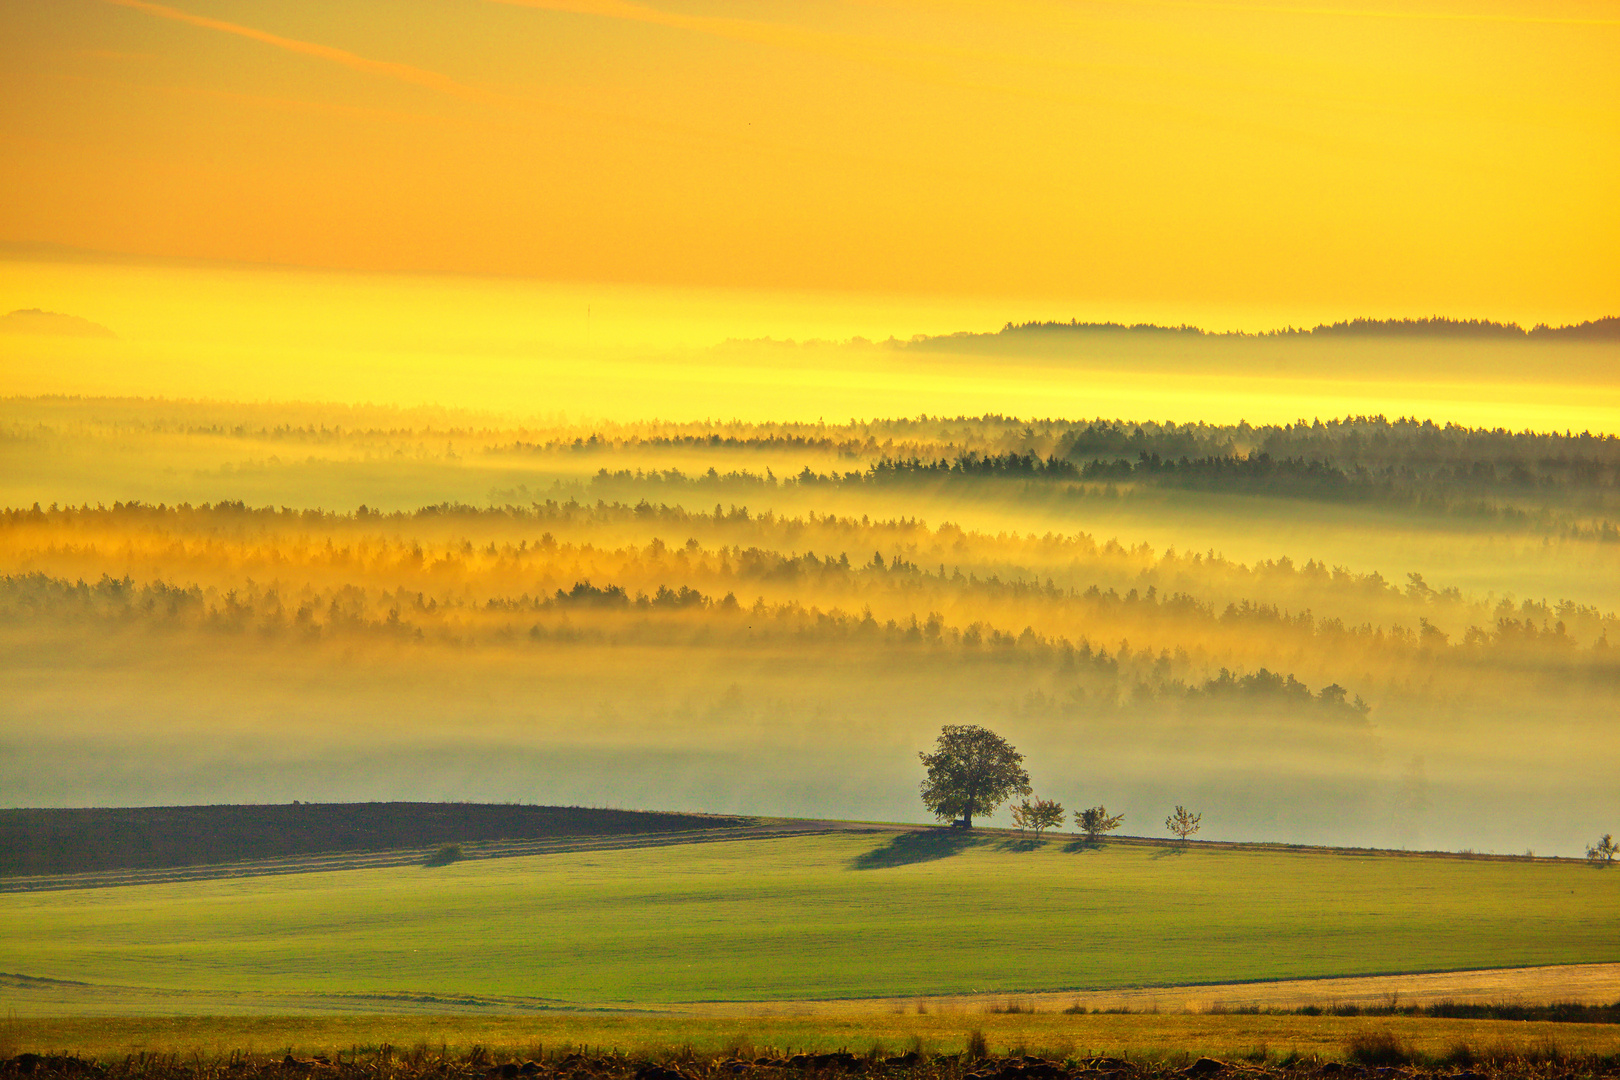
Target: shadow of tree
[(1022, 843), (925, 845), (1074, 847), (1172, 851)]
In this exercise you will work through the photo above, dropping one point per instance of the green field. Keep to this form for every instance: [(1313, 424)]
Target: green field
[(839, 916)]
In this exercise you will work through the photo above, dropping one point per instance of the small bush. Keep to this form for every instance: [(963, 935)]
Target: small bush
[(446, 855), (977, 1047), (1545, 1051), (1459, 1055), (1378, 1048), (1013, 1006)]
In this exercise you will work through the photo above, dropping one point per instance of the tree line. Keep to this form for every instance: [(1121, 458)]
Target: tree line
[(1436, 326), (1109, 678), (972, 771)]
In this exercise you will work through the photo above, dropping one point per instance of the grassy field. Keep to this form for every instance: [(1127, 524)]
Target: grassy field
[(840, 916)]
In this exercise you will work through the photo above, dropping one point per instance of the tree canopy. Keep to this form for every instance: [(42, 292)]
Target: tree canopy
[(1040, 815), (1183, 822), (1096, 821), (971, 771)]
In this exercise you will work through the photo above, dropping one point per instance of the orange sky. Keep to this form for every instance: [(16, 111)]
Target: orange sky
[(1363, 159)]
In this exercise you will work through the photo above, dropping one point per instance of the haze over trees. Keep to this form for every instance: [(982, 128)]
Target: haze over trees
[(1313, 669), (1604, 329)]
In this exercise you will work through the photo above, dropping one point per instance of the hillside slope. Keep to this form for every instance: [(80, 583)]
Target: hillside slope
[(835, 915), (76, 841)]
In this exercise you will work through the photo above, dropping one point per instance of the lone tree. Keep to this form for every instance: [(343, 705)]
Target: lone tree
[(1096, 821), (1603, 851), (971, 771), (1039, 815), (1183, 822)]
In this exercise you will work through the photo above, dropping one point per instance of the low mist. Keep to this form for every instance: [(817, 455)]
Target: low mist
[(644, 633)]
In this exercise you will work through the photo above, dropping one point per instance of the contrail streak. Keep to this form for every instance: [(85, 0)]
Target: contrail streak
[(416, 76)]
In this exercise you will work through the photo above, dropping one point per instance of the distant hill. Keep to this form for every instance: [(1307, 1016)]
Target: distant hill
[(38, 321), (90, 840), (1604, 329), (1607, 329)]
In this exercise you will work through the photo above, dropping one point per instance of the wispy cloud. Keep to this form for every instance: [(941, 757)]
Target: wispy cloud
[(913, 57), (718, 26), (1377, 13), (407, 73), (1069, 10)]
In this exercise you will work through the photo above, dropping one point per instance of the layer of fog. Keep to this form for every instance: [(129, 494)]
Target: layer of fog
[(102, 453), (116, 718)]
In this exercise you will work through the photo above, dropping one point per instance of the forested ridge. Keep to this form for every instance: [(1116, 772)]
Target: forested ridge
[(1436, 326), (1401, 462), (1127, 623)]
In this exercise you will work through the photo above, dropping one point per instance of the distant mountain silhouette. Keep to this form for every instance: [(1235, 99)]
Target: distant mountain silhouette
[(39, 321)]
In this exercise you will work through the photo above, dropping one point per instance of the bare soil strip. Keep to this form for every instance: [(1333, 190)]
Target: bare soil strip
[(99, 840), (470, 850)]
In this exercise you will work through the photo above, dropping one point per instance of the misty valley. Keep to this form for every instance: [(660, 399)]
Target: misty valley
[(1367, 632)]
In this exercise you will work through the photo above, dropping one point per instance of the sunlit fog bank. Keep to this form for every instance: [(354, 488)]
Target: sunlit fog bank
[(487, 401), (1366, 631), (529, 349)]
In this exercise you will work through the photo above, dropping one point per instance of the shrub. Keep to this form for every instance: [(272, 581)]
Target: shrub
[(1040, 815), (1459, 1055), (446, 855), (1097, 821), (977, 1047), (1378, 1048), (1183, 823)]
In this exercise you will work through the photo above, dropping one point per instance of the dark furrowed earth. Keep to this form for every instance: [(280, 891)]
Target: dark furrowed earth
[(1369, 1057), (77, 841)]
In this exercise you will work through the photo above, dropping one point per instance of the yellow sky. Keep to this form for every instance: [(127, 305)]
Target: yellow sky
[(1409, 158)]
